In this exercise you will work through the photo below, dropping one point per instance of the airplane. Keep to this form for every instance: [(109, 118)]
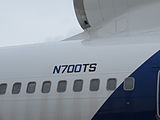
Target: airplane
[(111, 71)]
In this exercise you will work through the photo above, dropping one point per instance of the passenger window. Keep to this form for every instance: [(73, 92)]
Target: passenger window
[(46, 87), (31, 87), (129, 84), (3, 88), (16, 88), (62, 85), (111, 84), (94, 84), (78, 85)]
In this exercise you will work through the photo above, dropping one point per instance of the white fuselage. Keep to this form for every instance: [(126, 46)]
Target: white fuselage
[(116, 58)]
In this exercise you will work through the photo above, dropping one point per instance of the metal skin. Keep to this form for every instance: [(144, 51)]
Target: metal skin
[(108, 17), (35, 63), (125, 43)]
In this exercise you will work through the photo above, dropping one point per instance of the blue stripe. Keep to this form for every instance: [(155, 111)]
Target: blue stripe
[(139, 104)]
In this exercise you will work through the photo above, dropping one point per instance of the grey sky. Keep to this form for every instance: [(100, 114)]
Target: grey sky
[(29, 21)]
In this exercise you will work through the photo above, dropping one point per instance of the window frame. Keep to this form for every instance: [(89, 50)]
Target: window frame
[(81, 85), (16, 83), (6, 85), (108, 84), (59, 84), (98, 85), (28, 85), (124, 85), (43, 84)]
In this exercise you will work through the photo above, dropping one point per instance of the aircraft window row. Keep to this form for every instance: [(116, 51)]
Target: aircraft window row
[(128, 85)]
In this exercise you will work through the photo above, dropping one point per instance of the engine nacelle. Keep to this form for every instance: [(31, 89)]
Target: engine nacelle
[(116, 16), (88, 13)]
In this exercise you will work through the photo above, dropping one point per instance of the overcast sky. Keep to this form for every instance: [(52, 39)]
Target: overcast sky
[(30, 21)]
